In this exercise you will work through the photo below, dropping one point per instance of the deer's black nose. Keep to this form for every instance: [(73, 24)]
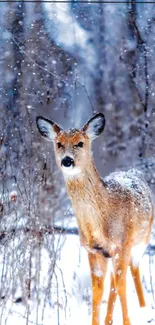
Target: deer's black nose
[(67, 161)]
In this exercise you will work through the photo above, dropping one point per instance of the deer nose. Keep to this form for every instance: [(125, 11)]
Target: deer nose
[(67, 161)]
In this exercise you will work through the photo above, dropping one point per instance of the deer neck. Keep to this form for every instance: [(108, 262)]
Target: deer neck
[(87, 186), (90, 204)]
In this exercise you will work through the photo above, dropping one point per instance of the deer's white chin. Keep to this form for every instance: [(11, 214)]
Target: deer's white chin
[(71, 171)]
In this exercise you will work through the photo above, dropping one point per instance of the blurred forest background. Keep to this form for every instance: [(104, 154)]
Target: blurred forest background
[(65, 62)]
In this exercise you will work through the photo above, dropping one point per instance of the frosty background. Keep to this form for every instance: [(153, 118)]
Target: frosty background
[(66, 61)]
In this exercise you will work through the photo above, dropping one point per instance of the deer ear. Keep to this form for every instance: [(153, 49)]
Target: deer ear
[(47, 128), (95, 126)]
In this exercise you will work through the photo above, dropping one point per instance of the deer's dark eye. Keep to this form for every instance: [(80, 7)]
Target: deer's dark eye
[(80, 144), (59, 145)]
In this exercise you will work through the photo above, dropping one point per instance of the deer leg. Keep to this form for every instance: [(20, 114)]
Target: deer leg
[(120, 282), (138, 285), (111, 301), (98, 267)]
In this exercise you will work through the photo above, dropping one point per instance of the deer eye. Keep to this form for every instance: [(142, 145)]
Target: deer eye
[(59, 145), (80, 144)]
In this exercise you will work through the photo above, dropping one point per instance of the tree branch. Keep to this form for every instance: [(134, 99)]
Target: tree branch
[(43, 231)]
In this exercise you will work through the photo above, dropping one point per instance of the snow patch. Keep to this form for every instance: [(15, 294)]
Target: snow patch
[(98, 272), (137, 253)]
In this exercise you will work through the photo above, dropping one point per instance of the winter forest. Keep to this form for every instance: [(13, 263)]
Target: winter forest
[(67, 61)]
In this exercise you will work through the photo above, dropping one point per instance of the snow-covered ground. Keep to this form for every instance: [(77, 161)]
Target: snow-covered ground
[(71, 293)]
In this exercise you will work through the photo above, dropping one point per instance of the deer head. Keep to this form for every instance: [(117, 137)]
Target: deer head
[(72, 147)]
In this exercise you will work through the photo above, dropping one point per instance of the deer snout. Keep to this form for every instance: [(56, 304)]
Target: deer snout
[(67, 161)]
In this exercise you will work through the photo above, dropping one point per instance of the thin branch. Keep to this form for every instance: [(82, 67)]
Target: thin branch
[(38, 232), (83, 86)]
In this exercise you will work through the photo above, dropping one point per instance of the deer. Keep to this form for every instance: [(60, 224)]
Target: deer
[(114, 214)]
